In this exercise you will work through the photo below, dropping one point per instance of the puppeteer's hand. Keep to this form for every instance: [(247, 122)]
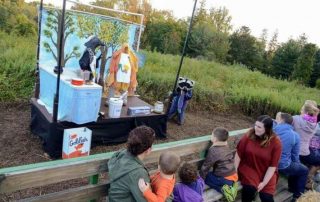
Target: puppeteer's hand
[(143, 186)]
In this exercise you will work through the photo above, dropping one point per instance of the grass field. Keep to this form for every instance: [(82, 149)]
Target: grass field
[(218, 87)]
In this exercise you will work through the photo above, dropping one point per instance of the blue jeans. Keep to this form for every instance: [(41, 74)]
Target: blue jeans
[(297, 178), (217, 182), (174, 110), (313, 159)]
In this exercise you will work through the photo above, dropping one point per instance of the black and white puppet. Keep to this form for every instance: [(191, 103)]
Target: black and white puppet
[(88, 60), (181, 96)]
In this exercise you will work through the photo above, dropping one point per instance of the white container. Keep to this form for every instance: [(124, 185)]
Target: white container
[(115, 105), (158, 107)]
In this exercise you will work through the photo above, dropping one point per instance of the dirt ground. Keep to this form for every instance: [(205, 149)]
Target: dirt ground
[(18, 146)]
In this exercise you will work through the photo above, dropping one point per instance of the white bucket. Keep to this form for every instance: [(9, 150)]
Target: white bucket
[(115, 105)]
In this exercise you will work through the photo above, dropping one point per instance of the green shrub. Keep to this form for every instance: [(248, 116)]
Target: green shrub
[(17, 65)]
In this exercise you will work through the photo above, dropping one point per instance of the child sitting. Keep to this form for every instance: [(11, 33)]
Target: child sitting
[(162, 182), (191, 186), (314, 145), (221, 159)]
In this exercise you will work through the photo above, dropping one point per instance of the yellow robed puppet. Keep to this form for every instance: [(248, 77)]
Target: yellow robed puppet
[(122, 72)]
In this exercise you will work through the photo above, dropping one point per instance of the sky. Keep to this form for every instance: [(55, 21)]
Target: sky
[(290, 17)]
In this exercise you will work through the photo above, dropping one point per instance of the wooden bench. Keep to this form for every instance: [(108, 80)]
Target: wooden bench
[(92, 172)]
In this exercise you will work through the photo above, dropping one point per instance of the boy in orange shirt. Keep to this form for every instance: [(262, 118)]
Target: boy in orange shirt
[(163, 181)]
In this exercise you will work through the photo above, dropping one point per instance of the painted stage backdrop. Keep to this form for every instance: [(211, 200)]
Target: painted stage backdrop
[(78, 28)]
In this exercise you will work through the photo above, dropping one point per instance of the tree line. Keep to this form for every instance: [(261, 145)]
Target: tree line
[(212, 38)]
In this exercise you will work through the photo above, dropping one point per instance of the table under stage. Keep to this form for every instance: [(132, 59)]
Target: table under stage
[(104, 131)]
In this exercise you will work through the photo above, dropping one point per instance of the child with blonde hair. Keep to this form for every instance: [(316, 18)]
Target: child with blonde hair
[(305, 125), (162, 182)]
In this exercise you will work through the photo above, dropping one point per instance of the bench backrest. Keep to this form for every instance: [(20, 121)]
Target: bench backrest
[(43, 174)]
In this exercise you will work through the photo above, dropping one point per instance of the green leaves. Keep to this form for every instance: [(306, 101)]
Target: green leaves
[(18, 18), (208, 42), (244, 49), (51, 31), (303, 69)]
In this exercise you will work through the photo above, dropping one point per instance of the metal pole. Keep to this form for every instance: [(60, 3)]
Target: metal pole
[(183, 54), (56, 96), (94, 14), (140, 31), (37, 84), (118, 11), (103, 8)]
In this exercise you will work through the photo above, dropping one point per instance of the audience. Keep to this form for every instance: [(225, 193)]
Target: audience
[(219, 161), (162, 182), (257, 159), (191, 186), (126, 166), (289, 164)]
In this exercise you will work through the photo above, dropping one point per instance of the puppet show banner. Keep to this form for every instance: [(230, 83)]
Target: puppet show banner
[(79, 28)]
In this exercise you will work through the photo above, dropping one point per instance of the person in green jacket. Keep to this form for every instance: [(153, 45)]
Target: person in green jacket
[(126, 166)]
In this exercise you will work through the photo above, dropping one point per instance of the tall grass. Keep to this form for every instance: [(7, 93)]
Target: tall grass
[(219, 86), (17, 67)]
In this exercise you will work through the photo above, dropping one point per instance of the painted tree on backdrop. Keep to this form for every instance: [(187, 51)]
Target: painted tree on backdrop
[(303, 69), (112, 33), (51, 31)]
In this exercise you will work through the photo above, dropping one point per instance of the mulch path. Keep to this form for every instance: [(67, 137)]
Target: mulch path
[(18, 146)]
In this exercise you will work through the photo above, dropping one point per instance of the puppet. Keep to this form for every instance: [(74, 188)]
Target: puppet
[(123, 70), (181, 96), (88, 60)]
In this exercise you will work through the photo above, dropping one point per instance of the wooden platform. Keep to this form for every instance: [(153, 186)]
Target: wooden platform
[(105, 130)]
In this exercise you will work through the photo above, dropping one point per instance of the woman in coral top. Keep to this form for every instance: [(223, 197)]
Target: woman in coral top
[(256, 161)]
